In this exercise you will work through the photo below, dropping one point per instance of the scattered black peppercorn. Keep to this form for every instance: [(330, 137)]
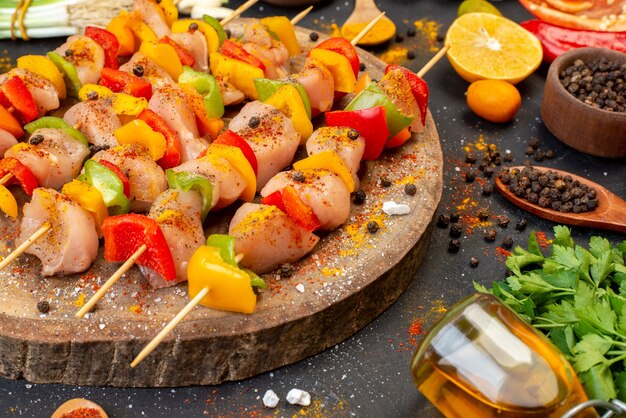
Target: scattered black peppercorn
[(503, 221), (362, 67), (193, 27), (507, 243), (470, 175), (483, 215), (92, 95), (550, 154), (508, 158), (254, 122), (454, 245), (36, 139), (410, 55), (399, 38), (490, 235), (138, 70), (410, 32), (443, 221), (314, 36), (359, 197), (353, 134), (372, 227), (454, 217), (474, 262), (534, 143), (539, 156), (43, 306), (287, 270), (385, 182), (487, 189), (440, 38), (298, 176), (470, 157), (456, 230), (410, 189), (521, 224), (69, 52), (529, 151), (488, 172)]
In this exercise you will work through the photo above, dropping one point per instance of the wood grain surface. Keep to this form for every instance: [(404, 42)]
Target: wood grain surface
[(349, 279)]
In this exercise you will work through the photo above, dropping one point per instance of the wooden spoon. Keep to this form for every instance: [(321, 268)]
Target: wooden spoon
[(364, 12), (609, 214)]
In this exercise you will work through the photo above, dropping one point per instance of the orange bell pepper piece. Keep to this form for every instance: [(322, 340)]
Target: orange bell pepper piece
[(139, 132), (238, 160), (9, 123), (327, 160), (339, 67), (120, 27), (90, 199)]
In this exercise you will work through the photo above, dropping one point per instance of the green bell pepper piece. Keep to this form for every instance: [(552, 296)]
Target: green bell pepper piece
[(109, 185), (226, 244), (255, 279), (185, 181), (206, 85), (266, 87), (215, 24), (56, 123), (70, 75), (373, 96)]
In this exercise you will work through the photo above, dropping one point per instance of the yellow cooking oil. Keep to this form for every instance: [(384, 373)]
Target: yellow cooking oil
[(483, 361)]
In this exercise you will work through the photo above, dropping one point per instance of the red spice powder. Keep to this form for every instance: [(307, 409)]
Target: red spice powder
[(416, 327), (542, 240), (502, 253), (83, 413)]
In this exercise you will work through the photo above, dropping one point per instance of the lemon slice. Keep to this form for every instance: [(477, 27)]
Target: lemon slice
[(486, 46)]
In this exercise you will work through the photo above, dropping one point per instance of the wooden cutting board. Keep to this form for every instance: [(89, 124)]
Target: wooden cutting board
[(349, 279)]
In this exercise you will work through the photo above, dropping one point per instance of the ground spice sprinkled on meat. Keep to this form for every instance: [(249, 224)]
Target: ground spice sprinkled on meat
[(83, 413)]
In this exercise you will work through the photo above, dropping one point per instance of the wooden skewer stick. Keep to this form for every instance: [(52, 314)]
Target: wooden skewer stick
[(366, 29), (114, 278), (6, 178), (238, 11), (297, 18), (172, 324), (30, 241), (433, 61)]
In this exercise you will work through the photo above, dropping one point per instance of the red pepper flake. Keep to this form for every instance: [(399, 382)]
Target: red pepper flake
[(416, 327), (542, 240), (83, 413), (502, 253)]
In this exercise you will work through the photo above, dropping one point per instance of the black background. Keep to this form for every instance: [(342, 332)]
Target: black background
[(368, 375)]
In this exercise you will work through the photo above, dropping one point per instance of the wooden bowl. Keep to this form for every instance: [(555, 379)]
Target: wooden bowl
[(593, 131)]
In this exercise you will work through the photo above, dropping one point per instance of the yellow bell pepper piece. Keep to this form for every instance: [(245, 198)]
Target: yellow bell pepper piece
[(212, 40), (141, 31), (289, 102), (8, 204), (327, 160), (363, 82), (339, 67), (125, 104), (170, 12), (120, 27), (90, 199), (236, 158), (229, 287), (42, 66), (138, 132), (164, 56), (101, 91), (282, 27), (238, 73)]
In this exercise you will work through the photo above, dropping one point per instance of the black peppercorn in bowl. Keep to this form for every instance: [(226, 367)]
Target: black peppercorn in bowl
[(584, 101)]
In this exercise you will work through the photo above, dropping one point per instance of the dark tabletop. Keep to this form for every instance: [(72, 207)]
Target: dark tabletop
[(368, 375)]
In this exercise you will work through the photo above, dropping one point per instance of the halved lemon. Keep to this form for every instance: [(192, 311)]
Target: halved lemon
[(486, 46)]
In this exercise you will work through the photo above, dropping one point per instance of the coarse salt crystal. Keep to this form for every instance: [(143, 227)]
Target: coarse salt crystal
[(270, 399), (393, 208), (101, 326), (300, 287), (299, 397)]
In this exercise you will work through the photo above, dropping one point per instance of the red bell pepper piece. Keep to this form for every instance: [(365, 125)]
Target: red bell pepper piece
[(234, 50), (15, 94), (119, 173), (185, 57), (109, 43), (419, 88), (124, 234), (172, 150), (231, 138), (123, 82), (290, 203), (370, 123), (21, 174), (556, 40), (344, 47)]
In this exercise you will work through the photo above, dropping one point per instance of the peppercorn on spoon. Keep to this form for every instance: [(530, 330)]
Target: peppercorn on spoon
[(609, 214)]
